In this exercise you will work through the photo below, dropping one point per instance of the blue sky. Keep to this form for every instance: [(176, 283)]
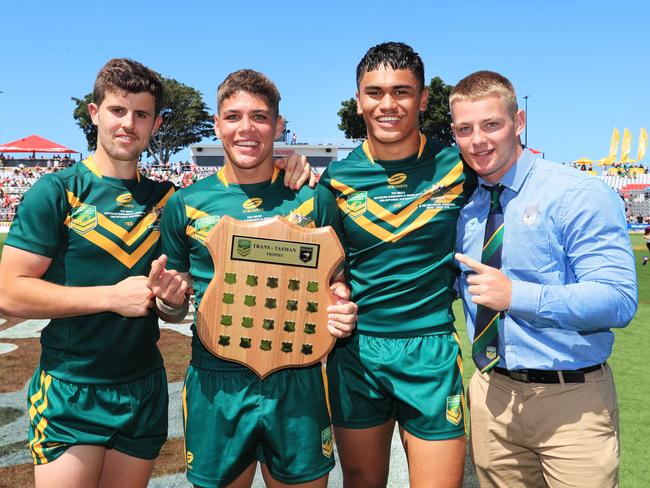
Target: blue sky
[(583, 64)]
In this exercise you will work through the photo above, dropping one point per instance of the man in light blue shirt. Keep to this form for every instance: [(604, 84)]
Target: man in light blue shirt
[(544, 412)]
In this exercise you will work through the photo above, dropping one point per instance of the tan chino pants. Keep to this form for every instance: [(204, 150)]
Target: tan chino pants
[(538, 435)]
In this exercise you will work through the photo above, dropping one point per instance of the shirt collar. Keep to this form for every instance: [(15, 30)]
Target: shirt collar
[(516, 175)]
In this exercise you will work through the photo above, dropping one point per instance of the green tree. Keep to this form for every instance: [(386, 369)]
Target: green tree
[(351, 122), (82, 116), (186, 120), (435, 121)]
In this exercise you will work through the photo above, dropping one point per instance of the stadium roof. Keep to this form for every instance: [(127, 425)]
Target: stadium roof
[(34, 144)]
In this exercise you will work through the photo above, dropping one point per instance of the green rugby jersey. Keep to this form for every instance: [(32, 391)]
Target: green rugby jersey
[(399, 220), (98, 231), (193, 211)]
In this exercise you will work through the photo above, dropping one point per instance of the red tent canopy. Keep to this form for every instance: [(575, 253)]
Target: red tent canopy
[(34, 144)]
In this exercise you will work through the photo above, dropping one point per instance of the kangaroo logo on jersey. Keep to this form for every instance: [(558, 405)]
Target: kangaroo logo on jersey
[(124, 198), (454, 409), (326, 442), (83, 218), (243, 247), (203, 226), (397, 179), (357, 204), (252, 203)]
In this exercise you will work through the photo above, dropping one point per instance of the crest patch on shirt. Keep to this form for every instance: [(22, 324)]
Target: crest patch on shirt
[(83, 218), (530, 214), (203, 226), (357, 204)]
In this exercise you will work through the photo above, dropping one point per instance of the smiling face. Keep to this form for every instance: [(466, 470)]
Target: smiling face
[(125, 122), (488, 135), (247, 127), (390, 102)]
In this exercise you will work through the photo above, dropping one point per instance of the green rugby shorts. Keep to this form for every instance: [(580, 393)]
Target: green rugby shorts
[(232, 419), (129, 417), (417, 381)]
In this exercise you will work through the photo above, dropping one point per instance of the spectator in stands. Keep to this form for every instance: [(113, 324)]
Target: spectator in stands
[(646, 236)]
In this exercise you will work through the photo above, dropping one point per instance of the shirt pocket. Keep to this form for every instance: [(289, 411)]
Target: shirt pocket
[(528, 250)]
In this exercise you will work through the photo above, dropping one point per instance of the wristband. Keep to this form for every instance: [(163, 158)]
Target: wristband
[(169, 310)]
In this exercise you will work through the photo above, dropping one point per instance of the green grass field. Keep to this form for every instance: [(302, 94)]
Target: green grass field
[(631, 372)]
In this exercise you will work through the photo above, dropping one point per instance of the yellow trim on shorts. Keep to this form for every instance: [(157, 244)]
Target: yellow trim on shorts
[(463, 400), (327, 390), (35, 445)]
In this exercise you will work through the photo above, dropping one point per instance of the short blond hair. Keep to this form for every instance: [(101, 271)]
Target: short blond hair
[(483, 84)]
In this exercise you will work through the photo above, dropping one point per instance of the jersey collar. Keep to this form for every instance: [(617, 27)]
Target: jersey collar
[(221, 175), (366, 148), (89, 163)]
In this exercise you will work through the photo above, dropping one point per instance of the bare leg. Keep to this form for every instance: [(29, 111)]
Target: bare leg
[(77, 467), (434, 464), (245, 479), (365, 455), (273, 483), (125, 471)]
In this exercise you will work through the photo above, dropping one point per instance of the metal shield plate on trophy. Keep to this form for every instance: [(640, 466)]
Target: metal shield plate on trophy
[(266, 306)]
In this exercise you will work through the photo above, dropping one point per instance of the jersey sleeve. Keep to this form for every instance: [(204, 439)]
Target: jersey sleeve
[(326, 211), (39, 225), (173, 236)]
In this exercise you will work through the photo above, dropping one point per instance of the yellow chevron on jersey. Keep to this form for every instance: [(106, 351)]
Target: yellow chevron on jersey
[(84, 219), (427, 215), (386, 215)]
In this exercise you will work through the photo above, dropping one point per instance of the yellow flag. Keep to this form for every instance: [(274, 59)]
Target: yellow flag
[(643, 144), (626, 146), (613, 149)]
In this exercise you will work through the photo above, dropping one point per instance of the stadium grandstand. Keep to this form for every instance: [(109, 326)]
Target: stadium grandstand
[(631, 182), (16, 180)]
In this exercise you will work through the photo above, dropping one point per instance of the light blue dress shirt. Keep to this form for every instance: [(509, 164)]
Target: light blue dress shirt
[(568, 254)]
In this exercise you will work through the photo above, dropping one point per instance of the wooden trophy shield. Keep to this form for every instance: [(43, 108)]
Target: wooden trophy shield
[(266, 306)]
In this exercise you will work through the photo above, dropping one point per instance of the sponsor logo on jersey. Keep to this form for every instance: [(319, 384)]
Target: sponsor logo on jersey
[(203, 226), (357, 204), (189, 457), (326, 442), (491, 352), (397, 180), (252, 204), (243, 247), (454, 409), (83, 218), (124, 198)]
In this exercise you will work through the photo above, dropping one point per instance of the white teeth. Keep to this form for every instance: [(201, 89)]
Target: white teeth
[(388, 119), (246, 143)]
